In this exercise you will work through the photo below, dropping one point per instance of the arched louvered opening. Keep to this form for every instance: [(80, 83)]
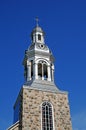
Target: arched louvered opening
[(39, 70), (45, 73), (47, 116), (31, 68), (39, 37)]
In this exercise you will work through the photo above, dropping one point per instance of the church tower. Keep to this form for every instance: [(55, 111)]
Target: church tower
[(40, 105)]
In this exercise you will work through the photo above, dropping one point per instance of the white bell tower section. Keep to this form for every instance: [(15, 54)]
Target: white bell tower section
[(38, 61)]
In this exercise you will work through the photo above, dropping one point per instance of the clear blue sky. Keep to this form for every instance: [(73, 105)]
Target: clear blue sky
[(64, 22)]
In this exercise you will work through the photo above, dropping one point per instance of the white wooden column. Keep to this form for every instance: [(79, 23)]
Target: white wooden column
[(49, 73), (35, 70), (29, 71), (42, 72), (52, 73)]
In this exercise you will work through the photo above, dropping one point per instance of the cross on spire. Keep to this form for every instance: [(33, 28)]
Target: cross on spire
[(37, 20)]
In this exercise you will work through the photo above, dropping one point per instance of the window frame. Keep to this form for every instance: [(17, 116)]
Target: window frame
[(48, 116)]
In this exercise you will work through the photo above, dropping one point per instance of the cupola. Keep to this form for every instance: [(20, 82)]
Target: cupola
[(37, 35)]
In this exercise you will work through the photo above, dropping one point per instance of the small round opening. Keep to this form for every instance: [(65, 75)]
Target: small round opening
[(42, 46)]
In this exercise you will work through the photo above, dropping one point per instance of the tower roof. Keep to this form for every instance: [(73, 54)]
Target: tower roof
[(37, 29)]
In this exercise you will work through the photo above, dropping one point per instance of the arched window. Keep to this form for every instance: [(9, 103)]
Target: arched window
[(45, 74), (39, 70), (39, 37), (47, 117)]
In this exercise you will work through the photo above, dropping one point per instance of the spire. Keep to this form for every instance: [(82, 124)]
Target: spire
[(37, 20)]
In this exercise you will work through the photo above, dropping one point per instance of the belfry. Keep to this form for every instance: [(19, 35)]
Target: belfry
[(40, 105)]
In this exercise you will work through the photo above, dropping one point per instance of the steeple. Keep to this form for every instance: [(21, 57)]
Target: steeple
[(40, 105), (39, 61)]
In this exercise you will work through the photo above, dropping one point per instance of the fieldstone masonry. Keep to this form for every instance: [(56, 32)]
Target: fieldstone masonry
[(31, 109)]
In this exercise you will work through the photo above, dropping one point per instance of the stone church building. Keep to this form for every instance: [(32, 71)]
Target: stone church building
[(40, 105)]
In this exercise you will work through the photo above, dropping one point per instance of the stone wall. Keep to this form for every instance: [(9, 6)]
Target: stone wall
[(31, 112)]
